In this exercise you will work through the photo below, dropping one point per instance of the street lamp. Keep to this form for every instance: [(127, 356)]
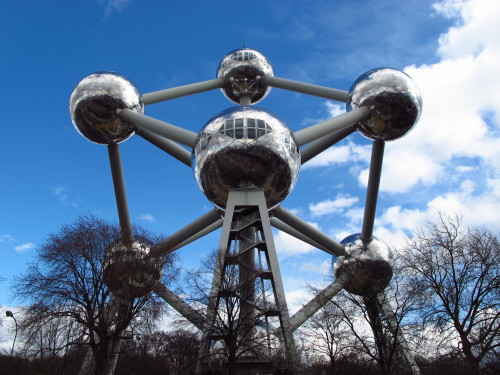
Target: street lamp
[(10, 314)]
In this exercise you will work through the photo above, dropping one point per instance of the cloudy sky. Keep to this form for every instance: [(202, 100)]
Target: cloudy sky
[(450, 162)]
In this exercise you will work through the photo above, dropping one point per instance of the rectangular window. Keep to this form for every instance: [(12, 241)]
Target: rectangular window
[(238, 133), (251, 133)]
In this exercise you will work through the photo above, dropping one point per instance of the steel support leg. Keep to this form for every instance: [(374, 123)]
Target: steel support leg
[(120, 193), (247, 227), (372, 191)]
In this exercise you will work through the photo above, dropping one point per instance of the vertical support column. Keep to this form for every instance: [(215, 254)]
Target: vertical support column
[(372, 190), (120, 194), (247, 227)]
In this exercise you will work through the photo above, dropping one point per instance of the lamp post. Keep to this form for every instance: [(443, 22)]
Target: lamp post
[(10, 314)]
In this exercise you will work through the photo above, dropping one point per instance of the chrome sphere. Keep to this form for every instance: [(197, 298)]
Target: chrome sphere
[(129, 271), (394, 99), (243, 71), (246, 147), (96, 102), (367, 269)]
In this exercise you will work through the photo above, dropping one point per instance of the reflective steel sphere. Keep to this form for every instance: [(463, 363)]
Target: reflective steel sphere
[(394, 99), (367, 269), (246, 147), (128, 271), (96, 102), (243, 70)]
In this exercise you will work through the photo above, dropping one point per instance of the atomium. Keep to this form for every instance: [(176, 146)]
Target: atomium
[(394, 100), (367, 268), (129, 271), (247, 161), (246, 147), (243, 71), (95, 104)]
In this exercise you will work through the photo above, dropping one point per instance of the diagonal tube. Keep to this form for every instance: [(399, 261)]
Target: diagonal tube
[(308, 230), (278, 224), (307, 88), (178, 92), (169, 244), (315, 304), (216, 225), (179, 304), (166, 145), (372, 190), (322, 144), (120, 193), (172, 132), (332, 125), (394, 326)]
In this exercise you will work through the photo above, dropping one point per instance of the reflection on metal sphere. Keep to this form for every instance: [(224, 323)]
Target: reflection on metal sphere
[(394, 99), (367, 269), (96, 102), (246, 147), (243, 70), (129, 271)]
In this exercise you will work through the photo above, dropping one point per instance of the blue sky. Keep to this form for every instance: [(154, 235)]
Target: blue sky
[(51, 175)]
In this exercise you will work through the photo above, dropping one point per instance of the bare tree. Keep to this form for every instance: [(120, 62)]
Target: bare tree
[(456, 270), (370, 326), (65, 286), (329, 336), (238, 330)]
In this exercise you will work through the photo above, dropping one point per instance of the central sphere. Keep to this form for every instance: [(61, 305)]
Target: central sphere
[(246, 147)]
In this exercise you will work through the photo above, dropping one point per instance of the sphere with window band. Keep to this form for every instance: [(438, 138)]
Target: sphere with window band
[(246, 147), (243, 71)]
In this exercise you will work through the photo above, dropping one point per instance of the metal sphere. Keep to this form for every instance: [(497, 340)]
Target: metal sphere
[(129, 271), (243, 71), (96, 102), (246, 147), (367, 269), (394, 99)]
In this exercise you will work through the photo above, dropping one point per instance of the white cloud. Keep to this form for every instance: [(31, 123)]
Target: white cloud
[(148, 217), (322, 268), (476, 208), (111, 6), (63, 194), (333, 206), (6, 238), (480, 18), (461, 111), (24, 247), (340, 155), (287, 245)]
